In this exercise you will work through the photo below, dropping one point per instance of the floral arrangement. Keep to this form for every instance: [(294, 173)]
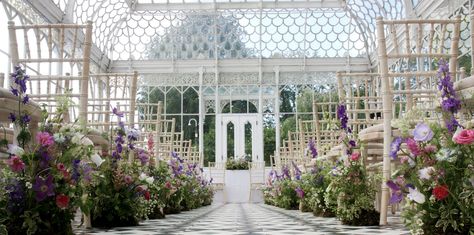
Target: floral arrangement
[(119, 190), (281, 190), (436, 176), (43, 182), (315, 183), (237, 163), (351, 189)]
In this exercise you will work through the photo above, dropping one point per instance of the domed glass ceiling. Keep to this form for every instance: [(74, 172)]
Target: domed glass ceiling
[(221, 29)]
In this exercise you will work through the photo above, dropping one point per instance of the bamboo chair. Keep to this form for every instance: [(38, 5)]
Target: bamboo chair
[(405, 83), (50, 51), (257, 176), (326, 138), (217, 173)]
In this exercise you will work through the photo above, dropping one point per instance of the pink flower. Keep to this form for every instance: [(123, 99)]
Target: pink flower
[(168, 185), (60, 167), (45, 139), (128, 179), (355, 156), (413, 147), (430, 149), (16, 164), (464, 136)]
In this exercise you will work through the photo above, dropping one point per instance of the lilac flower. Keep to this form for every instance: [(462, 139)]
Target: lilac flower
[(75, 169), (117, 112), (396, 192), (299, 192), (43, 187), (297, 170), (143, 156), (285, 172), (422, 133), (45, 158), (87, 172), (342, 116), (312, 148), (12, 117), (395, 147)]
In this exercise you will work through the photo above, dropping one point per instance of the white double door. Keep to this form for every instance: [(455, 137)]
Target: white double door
[(239, 121)]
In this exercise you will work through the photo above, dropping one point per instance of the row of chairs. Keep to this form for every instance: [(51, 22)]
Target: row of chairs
[(406, 80)]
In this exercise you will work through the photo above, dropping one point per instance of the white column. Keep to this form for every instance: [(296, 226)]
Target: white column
[(201, 118), (277, 111)]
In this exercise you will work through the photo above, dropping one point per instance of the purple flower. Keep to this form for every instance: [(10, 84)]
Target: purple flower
[(299, 192), (452, 124), (43, 187), (12, 117), (14, 91), (75, 169), (422, 133), (143, 156), (352, 143), (312, 148), (45, 158), (451, 105), (342, 116), (395, 147), (117, 112), (396, 192), (26, 99), (87, 172), (25, 119), (16, 196)]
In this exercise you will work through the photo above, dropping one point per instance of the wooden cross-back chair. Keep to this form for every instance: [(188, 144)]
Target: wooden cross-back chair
[(409, 80), (112, 90), (324, 113), (49, 52)]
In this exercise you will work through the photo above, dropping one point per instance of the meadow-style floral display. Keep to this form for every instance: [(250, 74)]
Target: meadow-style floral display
[(351, 188), (43, 181), (436, 176)]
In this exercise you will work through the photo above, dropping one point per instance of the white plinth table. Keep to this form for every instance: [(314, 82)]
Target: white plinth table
[(237, 186)]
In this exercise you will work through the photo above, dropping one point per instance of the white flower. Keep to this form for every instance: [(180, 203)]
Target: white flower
[(426, 172), (59, 138), (472, 181), (86, 141), (150, 180), (416, 196), (28, 185), (76, 139), (458, 131), (97, 159), (80, 139), (411, 162), (15, 150), (142, 176), (446, 154)]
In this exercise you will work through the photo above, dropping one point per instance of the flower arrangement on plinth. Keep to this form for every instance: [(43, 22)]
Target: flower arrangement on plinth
[(119, 190), (351, 188), (238, 163), (43, 182), (436, 176)]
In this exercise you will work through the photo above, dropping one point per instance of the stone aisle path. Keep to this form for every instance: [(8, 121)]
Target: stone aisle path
[(247, 219)]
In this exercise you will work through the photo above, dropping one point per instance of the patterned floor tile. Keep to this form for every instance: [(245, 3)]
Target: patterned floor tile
[(254, 219)]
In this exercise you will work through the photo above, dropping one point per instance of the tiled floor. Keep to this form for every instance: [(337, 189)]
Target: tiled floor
[(248, 219)]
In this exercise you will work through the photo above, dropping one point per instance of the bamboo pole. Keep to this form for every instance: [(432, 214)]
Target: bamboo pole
[(387, 105), (133, 95), (84, 85)]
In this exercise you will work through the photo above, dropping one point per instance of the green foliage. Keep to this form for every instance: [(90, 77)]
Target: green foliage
[(353, 191)]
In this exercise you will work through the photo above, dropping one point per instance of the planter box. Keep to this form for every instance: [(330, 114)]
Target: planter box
[(237, 186)]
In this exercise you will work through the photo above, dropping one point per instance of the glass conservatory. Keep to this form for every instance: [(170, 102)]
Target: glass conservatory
[(236, 116)]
